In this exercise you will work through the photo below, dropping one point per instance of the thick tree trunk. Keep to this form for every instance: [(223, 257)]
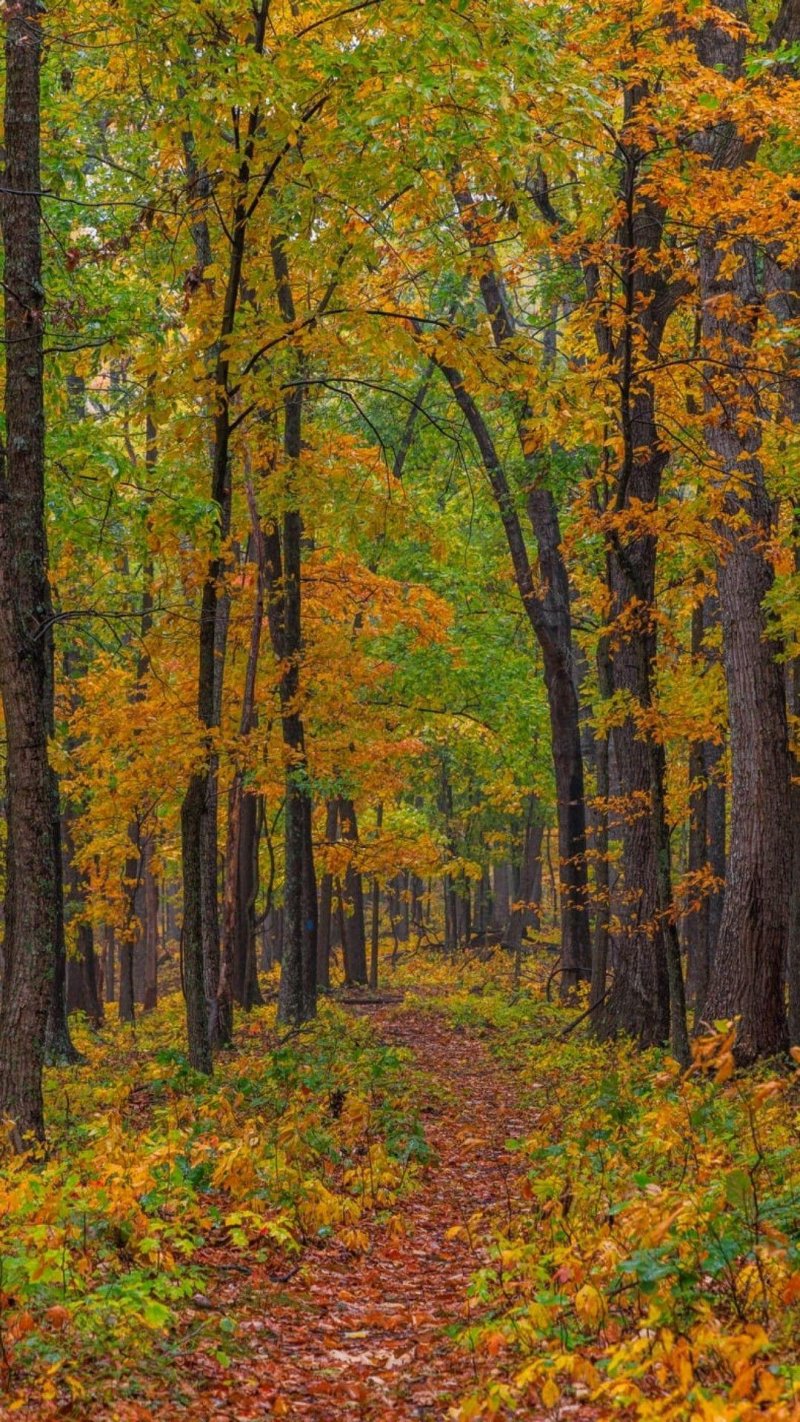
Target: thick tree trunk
[(748, 977), (32, 889), (747, 980), (646, 1000)]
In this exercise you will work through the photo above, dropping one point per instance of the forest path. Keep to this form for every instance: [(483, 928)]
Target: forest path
[(363, 1336)]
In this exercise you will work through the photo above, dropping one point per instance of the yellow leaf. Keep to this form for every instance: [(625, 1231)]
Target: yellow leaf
[(589, 1305), (550, 1393)]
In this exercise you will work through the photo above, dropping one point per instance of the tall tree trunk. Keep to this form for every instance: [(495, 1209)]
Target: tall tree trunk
[(32, 888), (748, 977), (647, 996), (236, 923), (297, 998), (546, 602), (200, 935)]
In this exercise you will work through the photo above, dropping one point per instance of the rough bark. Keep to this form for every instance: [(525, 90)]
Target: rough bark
[(748, 977), (32, 889)]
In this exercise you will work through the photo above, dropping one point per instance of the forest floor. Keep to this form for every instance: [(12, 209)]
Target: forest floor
[(371, 1337), (438, 1203)]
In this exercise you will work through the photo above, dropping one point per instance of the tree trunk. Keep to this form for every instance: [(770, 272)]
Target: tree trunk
[(326, 903), (528, 893), (706, 834), (59, 1048), (355, 929), (242, 842), (246, 987), (501, 898), (150, 930), (547, 603), (109, 965), (32, 890), (602, 892), (297, 998), (748, 976), (376, 913)]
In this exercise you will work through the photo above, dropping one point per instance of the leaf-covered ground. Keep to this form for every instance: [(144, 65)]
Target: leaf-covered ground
[(435, 1205)]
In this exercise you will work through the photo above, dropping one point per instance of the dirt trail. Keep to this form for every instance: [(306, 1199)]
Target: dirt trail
[(364, 1336)]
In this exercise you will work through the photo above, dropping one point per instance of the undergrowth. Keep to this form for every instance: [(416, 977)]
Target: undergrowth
[(153, 1174), (649, 1257)]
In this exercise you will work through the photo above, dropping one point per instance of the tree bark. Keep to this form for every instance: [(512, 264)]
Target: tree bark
[(32, 887), (602, 890), (236, 914), (297, 998), (748, 977), (200, 936), (59, 1048)]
